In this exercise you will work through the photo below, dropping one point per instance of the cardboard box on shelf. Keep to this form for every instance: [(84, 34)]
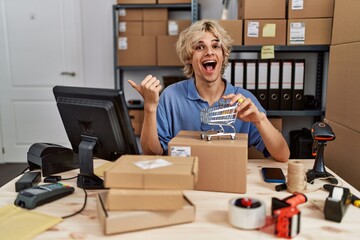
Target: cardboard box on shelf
[(133, 199), (136, 1), (126, 221), (346, 22), (342, 154), (152, 172), (175, 27), (130, 28), (155, 14), (308, 31), (260, 9), (234, 29), (166, 52), (130, 14), (155, 28), (265, 32), (222, 162), (137, 51), (343, 85), (311, 9), (173, 1)]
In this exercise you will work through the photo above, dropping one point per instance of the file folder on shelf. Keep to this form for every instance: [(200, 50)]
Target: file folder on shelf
[(286, 85), (298, 102), (228, 72), (250, 76), (239, 66), (262, 83), (274, 85)]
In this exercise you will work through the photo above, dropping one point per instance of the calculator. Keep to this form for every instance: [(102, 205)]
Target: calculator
[(36, 196)]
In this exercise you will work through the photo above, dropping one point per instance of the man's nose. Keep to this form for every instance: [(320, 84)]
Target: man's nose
[(209, 51)]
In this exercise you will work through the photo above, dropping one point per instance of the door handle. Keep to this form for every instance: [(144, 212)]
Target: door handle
[(72, 74)]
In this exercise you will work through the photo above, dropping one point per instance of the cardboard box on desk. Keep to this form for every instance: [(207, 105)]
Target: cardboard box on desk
[(134, 199), (127, 172), (126, 221), (222, 162)]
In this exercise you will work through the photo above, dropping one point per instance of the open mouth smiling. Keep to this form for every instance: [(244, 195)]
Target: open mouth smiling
[(209, 65)]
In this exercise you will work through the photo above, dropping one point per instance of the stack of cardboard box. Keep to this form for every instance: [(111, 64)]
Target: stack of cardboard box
[(343, 98), (147, 36), (146, 192), (309, 22), (264, 21)]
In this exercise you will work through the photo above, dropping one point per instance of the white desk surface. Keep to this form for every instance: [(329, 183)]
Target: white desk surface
[(211, 212)]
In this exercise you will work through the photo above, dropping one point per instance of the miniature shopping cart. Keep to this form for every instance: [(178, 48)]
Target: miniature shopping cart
[(221, 115)]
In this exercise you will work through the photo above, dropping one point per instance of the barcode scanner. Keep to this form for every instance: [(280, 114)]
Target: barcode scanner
[(321, 133)]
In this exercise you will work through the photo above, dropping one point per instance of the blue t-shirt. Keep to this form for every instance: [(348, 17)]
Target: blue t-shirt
[(179, 109)]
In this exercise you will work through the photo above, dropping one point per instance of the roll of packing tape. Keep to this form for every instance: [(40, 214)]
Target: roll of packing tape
[(337, 194), (247, 213)]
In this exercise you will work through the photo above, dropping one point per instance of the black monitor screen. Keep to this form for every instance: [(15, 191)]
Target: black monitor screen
[(97, 123)]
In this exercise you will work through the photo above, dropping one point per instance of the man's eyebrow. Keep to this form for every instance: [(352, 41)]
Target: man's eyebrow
[(213, 40)]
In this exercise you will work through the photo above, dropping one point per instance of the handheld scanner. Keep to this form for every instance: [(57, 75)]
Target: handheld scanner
[(322, 132)]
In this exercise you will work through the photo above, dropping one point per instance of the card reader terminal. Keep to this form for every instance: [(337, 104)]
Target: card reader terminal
[(35, 196)]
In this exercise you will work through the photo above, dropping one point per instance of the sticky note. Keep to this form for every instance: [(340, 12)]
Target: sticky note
[(267, 52), (269, 30)]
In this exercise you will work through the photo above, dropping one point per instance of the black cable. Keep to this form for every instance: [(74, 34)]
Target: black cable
[(79, 211), (69, 178)]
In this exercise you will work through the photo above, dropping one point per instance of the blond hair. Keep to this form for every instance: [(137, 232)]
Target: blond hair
[(192, 35)]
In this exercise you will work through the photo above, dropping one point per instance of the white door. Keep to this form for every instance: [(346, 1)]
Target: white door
[(40, 47)]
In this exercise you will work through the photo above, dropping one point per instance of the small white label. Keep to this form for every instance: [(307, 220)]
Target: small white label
[(122, 12), (122, 43), (151, 164), (122, 27), (297, 33), (253, 29), (173, 28), (180, 151), (297, 5)]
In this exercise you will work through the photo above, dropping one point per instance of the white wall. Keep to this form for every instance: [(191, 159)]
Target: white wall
[(98, 51)]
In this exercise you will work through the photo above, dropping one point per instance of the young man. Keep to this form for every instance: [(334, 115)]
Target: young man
[(204, 49)]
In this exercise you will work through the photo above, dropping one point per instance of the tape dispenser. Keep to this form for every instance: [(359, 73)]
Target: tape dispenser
[(337, 202), (287, 215)]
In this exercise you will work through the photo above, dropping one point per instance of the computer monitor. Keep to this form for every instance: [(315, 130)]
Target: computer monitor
[(97, 124)]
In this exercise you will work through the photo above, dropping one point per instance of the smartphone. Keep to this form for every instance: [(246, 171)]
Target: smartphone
[(273, 175)]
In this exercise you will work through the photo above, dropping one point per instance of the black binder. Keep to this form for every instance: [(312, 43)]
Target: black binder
[(274, 85), (262, 83), (298, 102), (250, 76), (239, 73), (286, 84)]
